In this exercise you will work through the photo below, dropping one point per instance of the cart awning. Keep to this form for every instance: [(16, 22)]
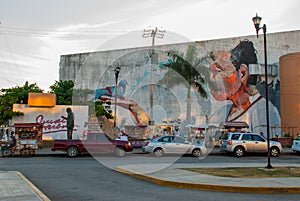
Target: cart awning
[(23, 125), (234, 124)]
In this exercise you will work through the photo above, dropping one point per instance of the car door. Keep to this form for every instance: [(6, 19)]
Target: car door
[(166, 143), (103, 144), (248, 143), (260, 143), (98, 143), (181, 145)]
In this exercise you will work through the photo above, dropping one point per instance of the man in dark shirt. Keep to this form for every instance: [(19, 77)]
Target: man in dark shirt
[(70, 122)]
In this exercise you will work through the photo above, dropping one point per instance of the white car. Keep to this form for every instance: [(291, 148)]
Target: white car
[(296, 144), (170, 144)]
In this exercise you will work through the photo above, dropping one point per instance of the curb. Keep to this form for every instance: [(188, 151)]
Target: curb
[(33, 187), (212, 187)]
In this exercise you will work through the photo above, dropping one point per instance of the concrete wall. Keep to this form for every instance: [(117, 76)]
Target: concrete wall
[(96, 69), (290, 93), (54, 127)]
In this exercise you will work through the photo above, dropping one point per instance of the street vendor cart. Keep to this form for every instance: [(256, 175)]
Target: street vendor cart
[(6, 149), (28, 137)]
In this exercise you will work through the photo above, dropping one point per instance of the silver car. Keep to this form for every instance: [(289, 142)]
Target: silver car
[(169, 144), (296, 144), (239, 143)]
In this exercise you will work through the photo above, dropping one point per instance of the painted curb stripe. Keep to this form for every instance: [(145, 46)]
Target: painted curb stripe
[(33, 187), (213, 187)]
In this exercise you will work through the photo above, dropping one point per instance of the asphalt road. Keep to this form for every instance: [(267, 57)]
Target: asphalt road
[(85, 178)]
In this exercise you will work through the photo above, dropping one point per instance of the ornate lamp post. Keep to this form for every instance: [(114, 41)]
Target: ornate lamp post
[(117, 71), (256, 20)]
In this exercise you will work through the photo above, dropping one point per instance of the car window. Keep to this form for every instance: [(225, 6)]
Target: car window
[(90, 137), (246, 137), (101, 137), (179, 140), (165, 139), (257, 138), (235, 136)]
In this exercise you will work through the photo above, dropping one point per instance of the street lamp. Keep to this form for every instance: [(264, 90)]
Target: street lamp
[(256, 20), (154, 33), (117, 71)]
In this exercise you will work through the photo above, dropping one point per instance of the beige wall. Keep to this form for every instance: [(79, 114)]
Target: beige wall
[(290, 93)]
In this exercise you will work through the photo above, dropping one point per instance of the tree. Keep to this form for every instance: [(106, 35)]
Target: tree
[(100, 110), (14, 95), (63, 91), (188, 66)]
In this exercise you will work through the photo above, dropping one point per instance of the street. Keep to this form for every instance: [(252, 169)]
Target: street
[(93, 178)]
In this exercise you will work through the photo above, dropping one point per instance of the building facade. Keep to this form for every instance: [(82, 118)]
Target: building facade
[(141, 69)]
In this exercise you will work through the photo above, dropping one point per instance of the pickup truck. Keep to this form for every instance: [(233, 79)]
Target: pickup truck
[(93, 143)]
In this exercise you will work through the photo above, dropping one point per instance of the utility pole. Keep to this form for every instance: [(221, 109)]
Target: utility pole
[(154, 33)]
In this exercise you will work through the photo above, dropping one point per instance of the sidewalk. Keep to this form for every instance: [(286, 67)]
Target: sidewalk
[(175, 177), (14, 186)]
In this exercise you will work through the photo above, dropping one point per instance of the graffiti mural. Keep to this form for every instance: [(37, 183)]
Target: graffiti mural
[(232, 70), (231, 81)]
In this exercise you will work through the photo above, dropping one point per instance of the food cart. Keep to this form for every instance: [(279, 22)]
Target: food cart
[(205, 132), (28, 137)]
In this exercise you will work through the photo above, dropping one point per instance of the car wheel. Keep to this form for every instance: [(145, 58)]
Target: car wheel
[(120, 152), (72, 151), (197, 152), (274, 151), (158, 152), (239, 151)]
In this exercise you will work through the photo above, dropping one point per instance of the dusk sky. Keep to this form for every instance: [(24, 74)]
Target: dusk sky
[(34, 33)]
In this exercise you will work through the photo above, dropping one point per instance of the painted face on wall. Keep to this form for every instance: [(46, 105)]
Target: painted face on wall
[(225, 81)]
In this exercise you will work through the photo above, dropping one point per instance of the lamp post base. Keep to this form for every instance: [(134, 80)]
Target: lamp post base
[(269, 166)]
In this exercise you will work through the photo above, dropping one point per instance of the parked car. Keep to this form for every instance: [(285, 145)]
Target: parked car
[(240, 143), (296, 144), (170, 144), (94, 143)]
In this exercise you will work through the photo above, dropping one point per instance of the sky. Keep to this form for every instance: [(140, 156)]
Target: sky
[(35, 33)]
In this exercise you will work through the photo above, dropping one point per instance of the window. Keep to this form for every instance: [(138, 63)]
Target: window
[(246, 137), (101, 137), (235, 136), (257, 138), (165, 139), (179, 140), (90, 137)]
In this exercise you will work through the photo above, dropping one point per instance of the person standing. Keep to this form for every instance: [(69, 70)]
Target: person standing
[(176, 131), (70, 122)]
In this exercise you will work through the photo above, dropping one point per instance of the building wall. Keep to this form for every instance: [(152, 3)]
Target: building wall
[(96, 69), (54, 127), (290, 93)]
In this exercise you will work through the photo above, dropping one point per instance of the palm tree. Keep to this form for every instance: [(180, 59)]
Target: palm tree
[(188, 66)]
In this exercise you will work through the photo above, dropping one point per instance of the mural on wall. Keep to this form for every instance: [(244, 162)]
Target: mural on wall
[(169, 103), (111, 94), (230, 81), (234, 92)]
